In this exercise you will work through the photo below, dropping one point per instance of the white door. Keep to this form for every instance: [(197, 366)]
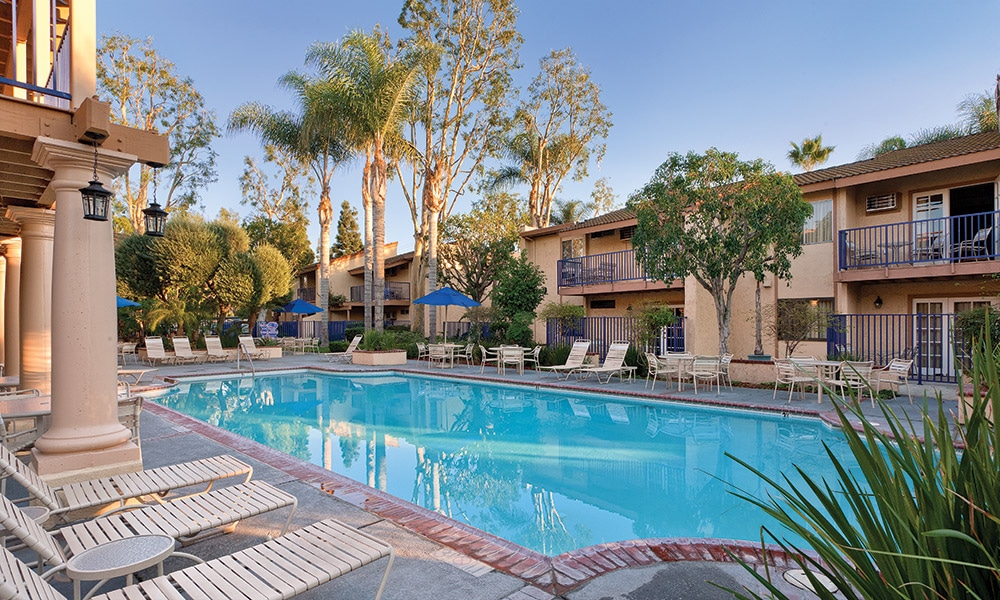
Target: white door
[(932, 336), (931, 233)]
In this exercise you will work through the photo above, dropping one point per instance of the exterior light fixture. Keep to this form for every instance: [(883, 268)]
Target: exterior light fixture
[(95, 197), (154, 216), (878, 302)]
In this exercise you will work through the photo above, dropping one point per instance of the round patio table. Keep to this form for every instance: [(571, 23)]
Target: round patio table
[(116, 558)]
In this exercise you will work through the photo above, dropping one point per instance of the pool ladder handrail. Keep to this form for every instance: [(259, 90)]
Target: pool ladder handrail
[(244, 352)]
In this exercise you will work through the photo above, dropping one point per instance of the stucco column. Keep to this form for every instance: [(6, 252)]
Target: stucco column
[(84, 439), (36, 292), (11, 308)]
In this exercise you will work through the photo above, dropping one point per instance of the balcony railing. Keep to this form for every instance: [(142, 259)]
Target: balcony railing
[(307, 293), (393, 291), (941, 240), (596, 269), (51, 86)]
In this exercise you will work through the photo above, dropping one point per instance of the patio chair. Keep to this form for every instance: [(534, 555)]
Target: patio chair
[(574, 362), (862, 256), (532, 356), (614, 364), (440, 355), (975, 247), (491, 355), (216, 353), (512, 356), (155, 353), (134, 376), (14, 436), (422, 352), (928, 247), (180, 520), (468, 355), (705, 368), (346, 355), (129, 411), (787, 373), (855, 376), (249, 349), (157, 482), (654, 370), (724, 361), (276, 569), (894, 374), (183, 353)]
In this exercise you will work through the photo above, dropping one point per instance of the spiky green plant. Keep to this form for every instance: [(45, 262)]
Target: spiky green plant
[(921, 519)]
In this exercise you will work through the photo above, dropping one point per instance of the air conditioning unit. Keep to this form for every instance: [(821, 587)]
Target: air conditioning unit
[(880, 202)]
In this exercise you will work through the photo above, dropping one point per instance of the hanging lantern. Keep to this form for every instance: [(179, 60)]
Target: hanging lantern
[(154, 216), (95, 197)]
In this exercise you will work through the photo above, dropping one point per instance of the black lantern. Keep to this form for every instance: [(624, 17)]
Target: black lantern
[(95, 197), (154, 216), (878, 302)]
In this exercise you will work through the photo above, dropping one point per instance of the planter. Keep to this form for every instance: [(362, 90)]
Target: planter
[(378, 358), (760, 357), (270, 351)]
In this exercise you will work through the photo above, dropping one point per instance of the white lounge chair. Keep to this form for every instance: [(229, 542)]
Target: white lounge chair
[(13, 435), (614, 364), (119, 488), (277, 569), (345, 356), (155, 353), (183, 352), (574, 362), (248, 348), (216, 353)]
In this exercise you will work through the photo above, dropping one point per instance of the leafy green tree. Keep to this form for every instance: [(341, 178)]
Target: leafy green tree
[(889, 144), (716, 218), (146, 93), (315, 138), (477, 246), (348, 239), (603, 199), (519, 289), (473, 45), (291, 239), (810, 154), (557, 129), (368, 93)]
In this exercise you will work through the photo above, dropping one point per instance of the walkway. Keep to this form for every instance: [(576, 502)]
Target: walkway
[(432, 570)]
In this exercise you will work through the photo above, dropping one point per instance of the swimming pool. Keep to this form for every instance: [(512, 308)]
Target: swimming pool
[(546, 469)]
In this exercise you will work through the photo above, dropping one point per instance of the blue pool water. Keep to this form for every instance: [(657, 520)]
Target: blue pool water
[(548, 470)]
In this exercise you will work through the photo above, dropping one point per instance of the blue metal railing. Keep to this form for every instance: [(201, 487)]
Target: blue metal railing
[(595, 269), (927, 339), (601, 331), (945, 239), (393, 291)]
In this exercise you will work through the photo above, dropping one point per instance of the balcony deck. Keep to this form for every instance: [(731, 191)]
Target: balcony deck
[(606, 273), (964, 245), (396, 294)]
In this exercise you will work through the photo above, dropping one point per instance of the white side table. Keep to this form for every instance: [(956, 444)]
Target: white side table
[(117, 558)]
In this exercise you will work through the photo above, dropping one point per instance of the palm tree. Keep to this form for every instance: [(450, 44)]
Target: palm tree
[(810, 154), (539, 165), (368, 92), (979, 112), (567, 211), (321, 148)]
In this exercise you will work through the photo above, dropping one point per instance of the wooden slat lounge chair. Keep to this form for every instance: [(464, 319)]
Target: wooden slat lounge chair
[(276, 569), (574, 362), (248, 348), (346, 355), (183, 352), (216, 353), (614, 364), (119, 488)]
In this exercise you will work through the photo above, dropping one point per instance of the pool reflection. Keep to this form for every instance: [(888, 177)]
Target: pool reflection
[(551, 472)]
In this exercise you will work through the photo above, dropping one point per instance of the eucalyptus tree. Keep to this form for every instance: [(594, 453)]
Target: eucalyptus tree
[(810, 154), (557, 129), (464, 87), (717, 218), (320, 145), (368, 92), (146, 92)]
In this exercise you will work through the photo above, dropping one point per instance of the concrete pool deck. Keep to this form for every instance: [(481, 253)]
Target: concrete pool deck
[(439, 558)]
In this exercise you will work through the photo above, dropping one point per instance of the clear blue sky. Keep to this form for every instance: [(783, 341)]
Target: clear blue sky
[(741, 76)]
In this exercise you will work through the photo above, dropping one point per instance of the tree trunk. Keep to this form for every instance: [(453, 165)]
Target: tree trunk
[(758, 345), (378, 173), (432, 205), (323, 281), (723, 313), (369, 235)]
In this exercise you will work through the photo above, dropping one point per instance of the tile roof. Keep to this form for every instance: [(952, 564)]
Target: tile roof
[(615, 216), (969, 144)]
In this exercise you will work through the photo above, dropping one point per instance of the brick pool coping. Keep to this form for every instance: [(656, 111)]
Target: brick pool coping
[(556, 574)]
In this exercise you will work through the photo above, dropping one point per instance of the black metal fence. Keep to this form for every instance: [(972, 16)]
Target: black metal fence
[(927, 339)]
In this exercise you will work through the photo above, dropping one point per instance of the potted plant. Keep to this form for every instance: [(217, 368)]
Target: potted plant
[(378, 348)]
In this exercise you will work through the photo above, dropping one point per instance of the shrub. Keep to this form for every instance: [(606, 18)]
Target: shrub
[(555, 355), (338, 345), (350, 332), (378, 340), (923, 522)]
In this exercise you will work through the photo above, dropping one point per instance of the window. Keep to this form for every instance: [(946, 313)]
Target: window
[(804, 319), (602, 304), (819, 227), (572, 248), (626, 233)]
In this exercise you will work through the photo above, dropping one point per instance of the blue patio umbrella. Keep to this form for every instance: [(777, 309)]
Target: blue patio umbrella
[(123, 302), (301, 307), (446, 297)]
